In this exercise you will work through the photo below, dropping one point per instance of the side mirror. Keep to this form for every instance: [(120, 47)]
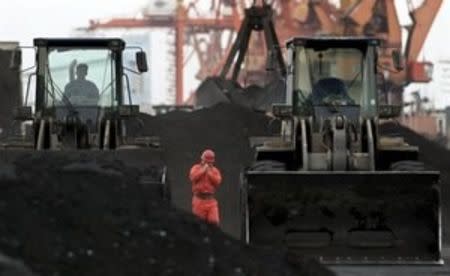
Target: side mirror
[(429, 68), (23, 113), (141, 61), (389, 111), (397, 60), (16, 59)]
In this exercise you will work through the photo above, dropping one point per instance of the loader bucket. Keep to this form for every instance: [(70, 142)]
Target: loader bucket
[(212, 91), (144, 165), (390, 217)]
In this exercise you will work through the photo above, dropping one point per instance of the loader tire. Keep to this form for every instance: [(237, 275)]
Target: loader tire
[(268, 165), (408, 165)]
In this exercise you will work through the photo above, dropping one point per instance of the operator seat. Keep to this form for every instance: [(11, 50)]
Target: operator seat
[(330, 88)]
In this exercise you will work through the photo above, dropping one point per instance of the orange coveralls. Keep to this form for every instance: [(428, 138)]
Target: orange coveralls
[(204, 185)]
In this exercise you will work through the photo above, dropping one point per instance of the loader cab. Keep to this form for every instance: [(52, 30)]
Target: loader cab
[(78, 75), (82, 91), (331, 75)]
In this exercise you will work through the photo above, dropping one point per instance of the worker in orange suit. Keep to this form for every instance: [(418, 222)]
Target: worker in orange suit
[(205, 178)]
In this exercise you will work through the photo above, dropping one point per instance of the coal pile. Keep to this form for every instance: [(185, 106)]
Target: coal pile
[(433, 155), (63, 218), (225, 128), (11, 267), (430, 153)]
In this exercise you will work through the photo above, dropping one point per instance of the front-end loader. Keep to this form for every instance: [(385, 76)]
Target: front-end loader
[(68, 120), (330, 186)]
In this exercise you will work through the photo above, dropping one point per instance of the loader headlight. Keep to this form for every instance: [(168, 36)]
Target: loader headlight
[(128, 110), (389, 111), (282, 110), (23, 113)]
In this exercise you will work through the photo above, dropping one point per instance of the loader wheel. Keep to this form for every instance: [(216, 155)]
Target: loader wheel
[(408, 165), (268, 165)]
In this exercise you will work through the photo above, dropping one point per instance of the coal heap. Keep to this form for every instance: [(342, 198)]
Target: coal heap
[(95, 218), (11, 267), (430, 153), (225, 128), (84, 221), (433, 155)]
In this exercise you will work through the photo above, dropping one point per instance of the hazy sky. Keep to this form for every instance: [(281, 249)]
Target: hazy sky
[(22, 20)]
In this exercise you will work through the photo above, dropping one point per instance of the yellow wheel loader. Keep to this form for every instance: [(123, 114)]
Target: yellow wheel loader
[(80, 105), (330, 186)]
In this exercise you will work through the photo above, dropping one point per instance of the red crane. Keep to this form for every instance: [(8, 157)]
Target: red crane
[(186, 22), (292, 18)]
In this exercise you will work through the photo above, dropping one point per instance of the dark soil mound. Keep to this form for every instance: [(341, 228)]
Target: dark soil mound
[(11, 267), (64, 219), (225, 128), (96, 218), (433, 155), (430, 153)]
